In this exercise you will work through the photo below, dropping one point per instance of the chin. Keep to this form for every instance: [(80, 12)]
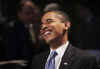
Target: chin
[(49, 41)]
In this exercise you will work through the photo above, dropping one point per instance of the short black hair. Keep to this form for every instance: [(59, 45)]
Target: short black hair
[(20, 5), (52, 6), (64, 15)]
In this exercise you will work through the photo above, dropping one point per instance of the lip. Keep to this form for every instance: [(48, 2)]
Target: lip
[(46, 32)]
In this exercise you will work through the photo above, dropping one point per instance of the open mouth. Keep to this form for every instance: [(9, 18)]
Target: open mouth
[(46, 32)]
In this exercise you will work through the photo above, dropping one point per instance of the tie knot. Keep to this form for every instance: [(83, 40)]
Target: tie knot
[(51, 62), (53, 54)]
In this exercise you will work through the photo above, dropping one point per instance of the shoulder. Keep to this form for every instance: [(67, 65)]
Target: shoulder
[(81, 52), (40, 56), (85, 59), (84, 56), (38, 60)]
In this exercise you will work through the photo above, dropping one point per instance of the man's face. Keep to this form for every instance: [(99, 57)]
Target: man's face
[(29, 14), (52, 27), (26, 15)]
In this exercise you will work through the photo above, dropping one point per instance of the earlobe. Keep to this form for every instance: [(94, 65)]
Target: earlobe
[(67, 25)]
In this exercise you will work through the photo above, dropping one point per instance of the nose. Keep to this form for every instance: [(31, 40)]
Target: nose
[(44, 26)]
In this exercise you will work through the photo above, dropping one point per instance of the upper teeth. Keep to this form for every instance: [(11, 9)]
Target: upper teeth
[(48, 32)]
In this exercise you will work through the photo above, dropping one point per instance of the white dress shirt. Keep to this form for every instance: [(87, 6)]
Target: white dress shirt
[(60, 52), (31, 32)]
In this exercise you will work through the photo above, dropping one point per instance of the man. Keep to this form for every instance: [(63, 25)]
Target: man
[(21, 35), (54, 30)]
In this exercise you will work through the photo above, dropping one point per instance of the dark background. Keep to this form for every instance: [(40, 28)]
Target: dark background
[(84, 14), (84, 32)]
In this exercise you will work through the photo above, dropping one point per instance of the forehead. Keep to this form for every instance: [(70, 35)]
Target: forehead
[(30, 4), (51, 15)]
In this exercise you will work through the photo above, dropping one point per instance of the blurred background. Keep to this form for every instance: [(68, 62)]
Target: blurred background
[(84, 15), (84, 33)]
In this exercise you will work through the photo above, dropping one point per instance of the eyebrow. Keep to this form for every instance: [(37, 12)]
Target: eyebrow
[(49, 20)]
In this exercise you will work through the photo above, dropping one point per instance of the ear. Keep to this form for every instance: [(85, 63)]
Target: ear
[(67, 25)]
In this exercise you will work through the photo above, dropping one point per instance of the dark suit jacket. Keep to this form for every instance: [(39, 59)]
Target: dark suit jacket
[(18, 44), (76, 59)]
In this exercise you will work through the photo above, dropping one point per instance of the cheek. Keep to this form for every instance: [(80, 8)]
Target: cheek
[(60, 29)]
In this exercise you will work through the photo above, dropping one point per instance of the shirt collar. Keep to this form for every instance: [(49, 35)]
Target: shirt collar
[(60, 51)]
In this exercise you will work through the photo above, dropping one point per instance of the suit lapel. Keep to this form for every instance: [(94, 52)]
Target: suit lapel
[(67, 58), (45, 59)]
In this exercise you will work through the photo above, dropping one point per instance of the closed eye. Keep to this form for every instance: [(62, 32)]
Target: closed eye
[(49, 21)]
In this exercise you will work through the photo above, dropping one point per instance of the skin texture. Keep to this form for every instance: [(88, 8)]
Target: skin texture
[(53, 29), (30, 13)]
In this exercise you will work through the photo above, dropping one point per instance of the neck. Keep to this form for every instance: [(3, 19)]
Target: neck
[(59, 41)]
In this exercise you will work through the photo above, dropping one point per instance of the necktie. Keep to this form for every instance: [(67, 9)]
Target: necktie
[(51, 62), (32, 33)]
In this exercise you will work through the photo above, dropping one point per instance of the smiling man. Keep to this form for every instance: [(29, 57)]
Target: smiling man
[(53, 29), (62, 55)]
